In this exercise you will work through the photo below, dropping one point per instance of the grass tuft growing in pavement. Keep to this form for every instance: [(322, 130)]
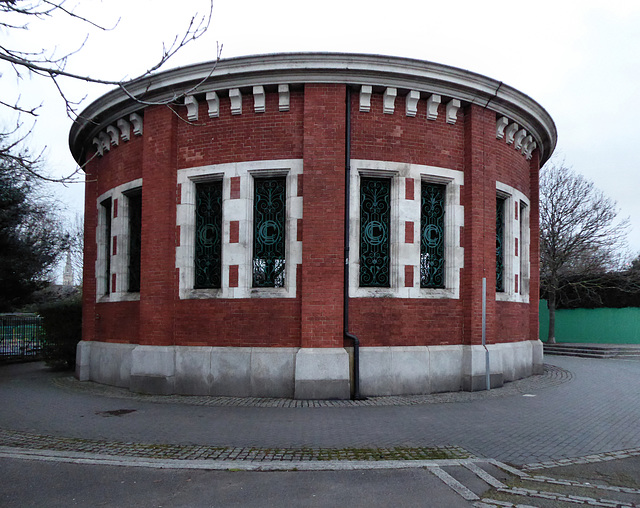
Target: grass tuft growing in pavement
[(203, 452)]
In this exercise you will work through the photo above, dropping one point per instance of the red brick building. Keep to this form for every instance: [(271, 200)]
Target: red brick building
[(219, 258)]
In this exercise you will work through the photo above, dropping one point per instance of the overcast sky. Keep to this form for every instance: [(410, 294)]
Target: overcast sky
[(579, 59)]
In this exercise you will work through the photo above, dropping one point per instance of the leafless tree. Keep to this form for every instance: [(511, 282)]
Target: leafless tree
[(15, 17), (581, 236)]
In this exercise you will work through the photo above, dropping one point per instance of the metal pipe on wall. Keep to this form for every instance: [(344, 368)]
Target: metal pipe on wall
[(347, 334), (484, 334)]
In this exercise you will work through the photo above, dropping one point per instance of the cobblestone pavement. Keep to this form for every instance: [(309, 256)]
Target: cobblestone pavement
[(23, 440), (552, 376)]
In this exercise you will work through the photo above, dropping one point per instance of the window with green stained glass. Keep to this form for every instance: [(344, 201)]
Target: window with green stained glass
[(106, 213), (269, 224), (375, 216), (432, 236), (208, 237), (135, 232), (500, 206)]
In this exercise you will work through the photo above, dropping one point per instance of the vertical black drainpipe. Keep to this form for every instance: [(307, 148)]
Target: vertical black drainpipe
[(347, 335)]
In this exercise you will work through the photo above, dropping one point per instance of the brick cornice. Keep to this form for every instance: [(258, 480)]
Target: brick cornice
[(270, 70)]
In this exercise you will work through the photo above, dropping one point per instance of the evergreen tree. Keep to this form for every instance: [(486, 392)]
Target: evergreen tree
[(31, 236)]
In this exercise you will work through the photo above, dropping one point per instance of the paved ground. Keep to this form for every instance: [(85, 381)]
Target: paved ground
[(597, 410), (581, 407)]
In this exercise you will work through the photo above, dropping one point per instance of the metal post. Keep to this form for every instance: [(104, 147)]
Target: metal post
[(484, 332)]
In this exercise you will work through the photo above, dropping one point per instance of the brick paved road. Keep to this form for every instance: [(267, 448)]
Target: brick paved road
[(598, 410)]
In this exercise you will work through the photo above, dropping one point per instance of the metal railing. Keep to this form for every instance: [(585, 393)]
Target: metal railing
[(21, 337)]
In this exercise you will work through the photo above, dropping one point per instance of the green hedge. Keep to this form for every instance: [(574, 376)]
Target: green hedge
[(62, 323)]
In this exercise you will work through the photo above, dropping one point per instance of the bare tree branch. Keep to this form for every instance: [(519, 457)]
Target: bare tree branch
[(45, 62)]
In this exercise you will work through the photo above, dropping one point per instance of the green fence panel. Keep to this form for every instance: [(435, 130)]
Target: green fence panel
[(596, 326), (21, 337)]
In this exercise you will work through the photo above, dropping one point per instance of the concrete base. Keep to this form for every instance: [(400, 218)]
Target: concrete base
[(304, 373), (322, 373)]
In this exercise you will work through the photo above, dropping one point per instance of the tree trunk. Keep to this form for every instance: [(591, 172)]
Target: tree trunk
[(551, 304)]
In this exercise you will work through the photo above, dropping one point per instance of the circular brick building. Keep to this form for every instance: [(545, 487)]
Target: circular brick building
[(311, 226)]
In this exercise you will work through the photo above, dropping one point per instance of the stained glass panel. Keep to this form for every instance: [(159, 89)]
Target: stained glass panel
[(208, 255), (135, 231), (432, 273), (500, 244), (106, 210), (375, 216), (269, 223)]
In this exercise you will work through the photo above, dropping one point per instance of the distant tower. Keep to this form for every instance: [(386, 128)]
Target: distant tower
[(67, 275)]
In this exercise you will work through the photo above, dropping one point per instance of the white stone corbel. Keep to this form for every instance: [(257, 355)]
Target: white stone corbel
[(259, 104), (283, 97), (530, 150), (236, 101), (192, 108), (105, 140), (125, 129), (411, 102), (510, 132), (518, 138), (389, 100), (432, 106), (525, 144), (114, 134), (365, 98), (501, 124), (98, 145), (452, 110), (136, 120), (214, 104)]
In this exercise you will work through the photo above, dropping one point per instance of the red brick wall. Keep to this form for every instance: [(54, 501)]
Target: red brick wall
[(313, 129), (512, 168), (250, 136), (534, 227), (122, 164), (323, 213), (158, 274), (117, 322), (512, 319), (90, 253), (251, 322), (401, 138), (517, 321), (479, 237), (406, 322)]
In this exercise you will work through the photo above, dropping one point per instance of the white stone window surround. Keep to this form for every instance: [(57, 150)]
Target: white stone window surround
[(240, 210), (119, 229), (403, 210), (515, 228)]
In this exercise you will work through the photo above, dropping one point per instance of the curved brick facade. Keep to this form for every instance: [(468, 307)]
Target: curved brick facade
[(283, 118)]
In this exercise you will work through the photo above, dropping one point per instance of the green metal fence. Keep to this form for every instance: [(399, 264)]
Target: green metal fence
[(21, 337), (597, 326)]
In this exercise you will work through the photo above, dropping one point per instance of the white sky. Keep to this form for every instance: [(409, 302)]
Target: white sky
[(579, 59)]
